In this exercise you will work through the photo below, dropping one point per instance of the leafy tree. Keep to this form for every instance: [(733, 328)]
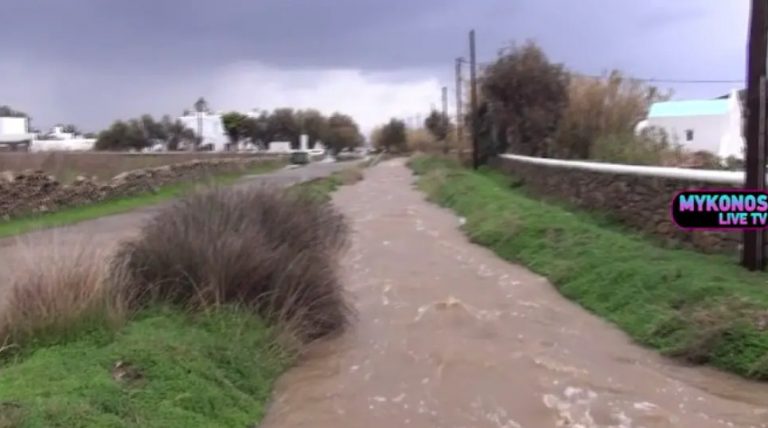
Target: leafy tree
[(438, 124), (531, 94), (283, 125), (122, 136), (144, 132), (234, 126), (314, 124), (342, 133), (257, 130), (70, 128), (6, 111), (391, 137), (176, 133)]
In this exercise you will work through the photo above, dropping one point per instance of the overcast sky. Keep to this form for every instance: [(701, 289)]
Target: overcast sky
[(90, 62)]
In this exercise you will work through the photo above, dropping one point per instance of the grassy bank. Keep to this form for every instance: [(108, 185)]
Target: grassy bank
[(164, 369), (169, 333), (702, 308), (73, 215)]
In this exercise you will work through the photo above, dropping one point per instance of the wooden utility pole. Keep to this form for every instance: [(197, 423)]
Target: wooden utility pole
[(459, 106), (473, 101), (445, 117), (753, 251)]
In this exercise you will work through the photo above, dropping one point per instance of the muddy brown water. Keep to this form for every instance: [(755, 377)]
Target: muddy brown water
[(448, 335)]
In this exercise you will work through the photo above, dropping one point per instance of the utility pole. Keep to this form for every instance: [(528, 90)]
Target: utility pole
[(473, 84), (753, 251), (445, 118), (459, 106)]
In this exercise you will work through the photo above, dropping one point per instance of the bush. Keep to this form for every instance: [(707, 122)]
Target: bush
[(629, 148), (264, 248), (391, 138)]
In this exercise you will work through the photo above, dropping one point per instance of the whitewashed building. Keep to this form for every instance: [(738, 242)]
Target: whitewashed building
[(14, 134), (59, 140), (713, 125), (209, 127)]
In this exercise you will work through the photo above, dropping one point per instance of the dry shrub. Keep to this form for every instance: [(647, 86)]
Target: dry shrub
[(264, 248), (607, 108), (628, 148), (61, 292), (421, 140)]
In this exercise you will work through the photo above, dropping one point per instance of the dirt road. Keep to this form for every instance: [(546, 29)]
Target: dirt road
[(451, 336), (105, 232)]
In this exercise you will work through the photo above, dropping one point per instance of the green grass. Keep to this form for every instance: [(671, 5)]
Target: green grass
[(206, 370), (72, 215), (321, 188), (702, 308)]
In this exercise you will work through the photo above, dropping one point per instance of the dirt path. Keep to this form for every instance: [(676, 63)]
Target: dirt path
[(451, 336)]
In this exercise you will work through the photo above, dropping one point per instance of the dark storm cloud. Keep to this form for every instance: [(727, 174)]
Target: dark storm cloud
[(121, 55)]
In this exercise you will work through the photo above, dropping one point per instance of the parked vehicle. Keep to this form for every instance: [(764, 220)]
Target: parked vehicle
[(299, 158)]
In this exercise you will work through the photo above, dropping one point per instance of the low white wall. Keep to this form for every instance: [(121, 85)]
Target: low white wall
[(75, 144), (699, 175)]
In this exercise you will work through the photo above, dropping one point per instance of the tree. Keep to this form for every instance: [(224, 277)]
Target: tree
[(391, 137), (201, 105), (122, 136), (234, 126), (283, 125), (438, 124), (6, 111), (314, 124), (144, 132), (70, 128), (177, 133), (342, 133), (531, 94), (257, 130)]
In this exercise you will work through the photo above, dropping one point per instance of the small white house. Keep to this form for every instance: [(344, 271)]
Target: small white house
[(208, 126), (58, 140), (712, 125)]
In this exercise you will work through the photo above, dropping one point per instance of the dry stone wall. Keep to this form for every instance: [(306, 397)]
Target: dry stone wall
[(640, 202), (30, 192)]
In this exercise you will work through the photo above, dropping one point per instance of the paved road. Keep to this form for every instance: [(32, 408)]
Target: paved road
[(105, 232), (449, 335)]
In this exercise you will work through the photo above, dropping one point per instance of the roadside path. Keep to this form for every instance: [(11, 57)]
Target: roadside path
[(449, 335)]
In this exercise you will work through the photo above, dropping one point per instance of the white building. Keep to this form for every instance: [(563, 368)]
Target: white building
[(713, 125), (59, 140), (14, 133), (209, 127), (280, 147)]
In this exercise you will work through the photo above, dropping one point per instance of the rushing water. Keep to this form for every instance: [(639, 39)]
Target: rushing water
[(448, 335)]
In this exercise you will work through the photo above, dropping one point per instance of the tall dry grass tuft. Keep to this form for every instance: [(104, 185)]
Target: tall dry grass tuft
[(62, 292), (607, 109), (274, 251)]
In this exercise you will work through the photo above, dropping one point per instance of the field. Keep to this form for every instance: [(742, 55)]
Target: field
[(66, 166)]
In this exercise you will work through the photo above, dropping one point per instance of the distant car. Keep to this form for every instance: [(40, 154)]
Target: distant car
[(299, 158)]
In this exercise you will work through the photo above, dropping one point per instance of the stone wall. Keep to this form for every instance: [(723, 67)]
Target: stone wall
[(640, 202), (31, 191)]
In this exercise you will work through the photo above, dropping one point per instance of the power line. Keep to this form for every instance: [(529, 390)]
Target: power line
[(642, 79)]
